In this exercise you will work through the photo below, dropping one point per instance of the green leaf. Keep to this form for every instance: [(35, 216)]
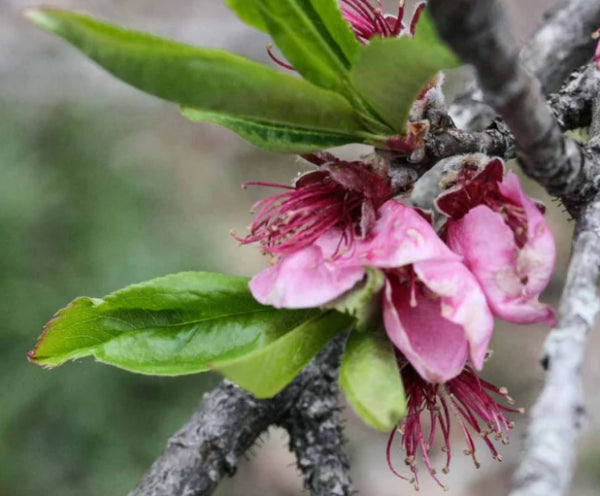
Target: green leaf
[(390, 73), (248, 12), (362, 302), (304, 38), (338, 28), (178, 324), (371, 380), (268, 370), (207, 79), (274, 137)]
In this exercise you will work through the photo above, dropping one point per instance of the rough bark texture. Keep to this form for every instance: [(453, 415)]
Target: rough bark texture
[(316, 435), (561, 45), (230, 421)]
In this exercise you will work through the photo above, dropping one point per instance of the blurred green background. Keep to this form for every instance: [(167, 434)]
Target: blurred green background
[(101, 187)]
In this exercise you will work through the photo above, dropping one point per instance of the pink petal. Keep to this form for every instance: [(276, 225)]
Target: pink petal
[(435, 347), (463, 302), (401, 236), (490, 252), (305, 279), (538, 256)]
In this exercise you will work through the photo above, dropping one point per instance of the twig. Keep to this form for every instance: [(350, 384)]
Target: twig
[(316, 434), (571, 107), (230, 421)]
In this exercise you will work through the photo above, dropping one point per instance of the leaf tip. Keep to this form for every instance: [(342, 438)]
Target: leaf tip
[(41, 17)]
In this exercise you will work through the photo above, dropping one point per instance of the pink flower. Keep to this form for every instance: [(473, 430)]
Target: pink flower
[(503, 238), (368, 21), (475, 406), (342, 195), (434, 310)]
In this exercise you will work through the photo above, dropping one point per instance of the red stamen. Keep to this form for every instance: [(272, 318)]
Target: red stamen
[(277, 60), (367, 21), (470, 401), (336, 196), (417, 15)]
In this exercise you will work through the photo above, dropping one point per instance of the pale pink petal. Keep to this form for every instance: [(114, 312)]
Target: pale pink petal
[(401, 236), (490, 252), (462, 302), (538, 256), (435, 347), (305, 279)]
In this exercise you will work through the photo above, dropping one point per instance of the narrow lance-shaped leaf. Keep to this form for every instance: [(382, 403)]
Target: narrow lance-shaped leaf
[(178, 324), (330, 15), (208, 79), (275, 137), (390, 73), (269, 369), (248, 12), (305, 40), (371, 380)]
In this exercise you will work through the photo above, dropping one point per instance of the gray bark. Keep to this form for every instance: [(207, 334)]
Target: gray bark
[(230, 421), (561, 45)]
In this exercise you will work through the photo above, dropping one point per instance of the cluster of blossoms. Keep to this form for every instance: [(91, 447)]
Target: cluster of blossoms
[(491, 255)]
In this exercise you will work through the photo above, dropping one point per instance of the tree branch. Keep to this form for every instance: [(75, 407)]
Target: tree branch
[(562, 44), (230, 421), (478, 30), (316, 435), (557, 49), (571, 107)]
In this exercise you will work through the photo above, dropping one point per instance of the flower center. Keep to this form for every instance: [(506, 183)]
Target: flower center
[(341, 195), (368, 21)]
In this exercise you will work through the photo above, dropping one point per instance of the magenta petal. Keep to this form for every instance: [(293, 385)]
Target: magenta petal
[(434, 346), (305, 279), (511, 279), (401, 236), (463, 302)]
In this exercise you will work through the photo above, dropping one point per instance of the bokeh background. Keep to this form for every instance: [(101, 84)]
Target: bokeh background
[(102, 186)]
